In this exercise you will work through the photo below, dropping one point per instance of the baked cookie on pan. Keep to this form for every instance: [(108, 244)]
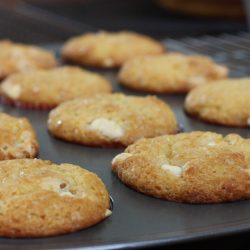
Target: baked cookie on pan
[(17, 138), (39, 198), (225, 102), (169, 73), (48, 88), (17, 57), (111, 120), (197, 167), (109, 49)]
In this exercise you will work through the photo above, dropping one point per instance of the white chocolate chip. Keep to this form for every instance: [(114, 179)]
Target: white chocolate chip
[(196, 80), (54, 184), (21, 173), (208, 141), (58, 123), (11, 90), (248, 121), (211, 144), (108, 62), (108, 213), (65, 193), (175, 170), (120, 157), (107, 128), (221, 70), (26, 135)]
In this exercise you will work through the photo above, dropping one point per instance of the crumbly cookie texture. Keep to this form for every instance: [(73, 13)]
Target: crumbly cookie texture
[(48, 88), (112, 119), (170, 73), (17, 138), (225, 102), (197, 167), (39, 198), (109, 49), (17, 57)]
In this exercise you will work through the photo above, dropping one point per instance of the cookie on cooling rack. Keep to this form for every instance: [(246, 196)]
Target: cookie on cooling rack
[(109, 49), (112, 119), (225, 102), (17, 57), (48, 88), (197, 167), (39, 198), (169, 73), (17, 138)]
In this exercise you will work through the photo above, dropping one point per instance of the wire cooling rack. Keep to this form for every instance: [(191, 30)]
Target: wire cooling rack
[(231, 50)]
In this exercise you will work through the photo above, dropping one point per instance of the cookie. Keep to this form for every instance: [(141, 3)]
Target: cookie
[(109, 49), (111, 120), (169, 73), (17, 138), (226, 102), (197, 167), (39, 198), (17, 57), (48, 88)]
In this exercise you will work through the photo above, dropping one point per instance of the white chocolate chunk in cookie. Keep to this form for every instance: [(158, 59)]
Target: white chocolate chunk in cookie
[(65, 193), (26, 135), (211, 144), (175, 170), (121, 157), (108, 213), (108, 62), (58, 186), (196, 80), (107, 128), (11, 90), (221, 70), (248, 121)]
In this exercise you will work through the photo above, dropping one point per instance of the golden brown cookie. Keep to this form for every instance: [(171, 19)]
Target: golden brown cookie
[(17, 138), (110, 120), (109, 49), (169, 73), (17, 57), (225, 102), (197, 167), (39, 198), (48, 88)]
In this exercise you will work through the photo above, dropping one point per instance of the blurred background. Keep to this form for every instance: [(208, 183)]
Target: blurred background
[(46, 21)]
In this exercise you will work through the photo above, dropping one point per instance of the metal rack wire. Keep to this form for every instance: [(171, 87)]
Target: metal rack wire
[(231, 50)]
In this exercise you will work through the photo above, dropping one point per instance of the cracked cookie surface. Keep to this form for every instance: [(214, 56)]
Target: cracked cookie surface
[(112, 119), (39, 198), (196, 167), (17, 138)]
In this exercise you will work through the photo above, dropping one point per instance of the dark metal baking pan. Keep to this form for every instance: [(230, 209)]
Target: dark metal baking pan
[(139, 220)]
